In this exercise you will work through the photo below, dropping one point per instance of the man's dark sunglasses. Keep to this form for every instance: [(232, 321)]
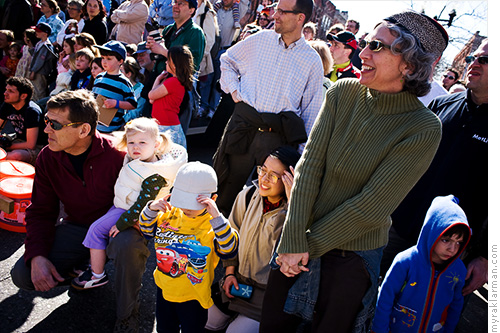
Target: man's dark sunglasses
[(57, 126), (483, 60), (374, 45)]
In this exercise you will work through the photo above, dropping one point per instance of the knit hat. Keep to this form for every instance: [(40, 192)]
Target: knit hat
[(43, 27), (193, 179), (114, 46), (432, 36)]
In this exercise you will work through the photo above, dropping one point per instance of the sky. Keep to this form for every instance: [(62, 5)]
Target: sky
[(369, 13)]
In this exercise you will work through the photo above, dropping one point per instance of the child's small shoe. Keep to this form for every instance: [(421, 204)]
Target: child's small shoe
[(87, 280), (237, 25), (79, 270)]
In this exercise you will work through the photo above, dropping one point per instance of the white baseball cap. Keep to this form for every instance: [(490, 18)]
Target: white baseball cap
[(193, 179)]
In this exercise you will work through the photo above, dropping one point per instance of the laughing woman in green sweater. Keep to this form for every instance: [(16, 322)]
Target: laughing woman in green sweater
[(373, 139)]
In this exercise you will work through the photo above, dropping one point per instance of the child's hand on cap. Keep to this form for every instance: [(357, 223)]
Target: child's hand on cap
[(161, 204), (210, 205)]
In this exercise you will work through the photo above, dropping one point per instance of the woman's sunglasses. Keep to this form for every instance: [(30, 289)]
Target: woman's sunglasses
[(374, 45), (483, 60), (57, 126)]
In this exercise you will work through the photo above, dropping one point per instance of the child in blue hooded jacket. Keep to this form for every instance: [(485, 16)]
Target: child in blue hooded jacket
[(422, 291)]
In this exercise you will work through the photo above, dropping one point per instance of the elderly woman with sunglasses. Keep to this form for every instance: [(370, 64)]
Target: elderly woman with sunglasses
[(373, 139)]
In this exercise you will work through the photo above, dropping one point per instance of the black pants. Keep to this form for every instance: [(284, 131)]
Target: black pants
[(343, 284), (190, 316)]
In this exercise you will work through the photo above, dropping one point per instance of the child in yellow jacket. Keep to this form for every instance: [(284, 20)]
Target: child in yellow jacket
[(189, 235)]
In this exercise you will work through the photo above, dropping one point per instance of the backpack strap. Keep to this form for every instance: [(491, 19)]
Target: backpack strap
[(203, 16), (249, 194)]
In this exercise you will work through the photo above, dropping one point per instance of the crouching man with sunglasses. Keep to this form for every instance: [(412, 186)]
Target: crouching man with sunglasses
[(78, 168)]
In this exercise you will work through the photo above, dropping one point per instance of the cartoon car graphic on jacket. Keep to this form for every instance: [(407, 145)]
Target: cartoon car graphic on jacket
[(174, 258)]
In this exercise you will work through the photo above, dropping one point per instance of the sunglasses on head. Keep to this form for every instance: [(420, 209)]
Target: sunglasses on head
[(57, 126), (451, 77), (483, 60), (374, 45)]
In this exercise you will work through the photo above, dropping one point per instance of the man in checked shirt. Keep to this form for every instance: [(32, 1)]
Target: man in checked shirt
[(269, 113)]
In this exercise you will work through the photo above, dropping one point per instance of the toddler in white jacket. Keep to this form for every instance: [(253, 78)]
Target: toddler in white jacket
[(150, 165)]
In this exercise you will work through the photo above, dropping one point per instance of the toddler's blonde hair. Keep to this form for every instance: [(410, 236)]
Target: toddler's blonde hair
[(148, 126)]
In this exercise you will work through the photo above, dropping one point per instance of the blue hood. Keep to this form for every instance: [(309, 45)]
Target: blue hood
[(443, 213)]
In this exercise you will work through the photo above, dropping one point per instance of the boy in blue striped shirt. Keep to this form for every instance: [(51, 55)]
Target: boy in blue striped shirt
[(113, 85)]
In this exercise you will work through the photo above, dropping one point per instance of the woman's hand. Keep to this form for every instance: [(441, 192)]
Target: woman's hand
[(228, 283), (160, 78), (287, 179), (293, 263)]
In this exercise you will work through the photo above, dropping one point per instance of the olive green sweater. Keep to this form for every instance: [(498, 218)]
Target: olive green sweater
[(365, 152)]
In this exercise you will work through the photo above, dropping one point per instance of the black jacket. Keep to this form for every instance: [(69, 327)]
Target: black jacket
[(460, 167)]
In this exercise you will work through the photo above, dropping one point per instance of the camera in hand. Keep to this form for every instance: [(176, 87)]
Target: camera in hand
[(154, 30), (6, 139), (156, 34)]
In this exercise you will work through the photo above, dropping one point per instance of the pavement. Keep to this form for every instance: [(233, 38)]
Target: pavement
[(65, 310)]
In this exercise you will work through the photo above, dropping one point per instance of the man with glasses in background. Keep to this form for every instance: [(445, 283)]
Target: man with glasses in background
[(77, 168), (275, 78), (460, 167)]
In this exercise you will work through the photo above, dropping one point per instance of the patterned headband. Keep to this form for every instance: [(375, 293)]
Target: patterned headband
[(431, 35)]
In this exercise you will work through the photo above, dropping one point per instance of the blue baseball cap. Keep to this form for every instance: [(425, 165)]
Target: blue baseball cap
[(114, 46)]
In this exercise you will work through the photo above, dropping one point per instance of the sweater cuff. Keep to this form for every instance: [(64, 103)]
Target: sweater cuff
[(230, 262), (218, 222), (292, 242), (150, 214)]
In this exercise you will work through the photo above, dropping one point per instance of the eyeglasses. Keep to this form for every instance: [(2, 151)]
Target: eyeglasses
[(272, 177), (374, 45), (450, 77), (70, 8), (281, 11), (483, 60), (57, 126)]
